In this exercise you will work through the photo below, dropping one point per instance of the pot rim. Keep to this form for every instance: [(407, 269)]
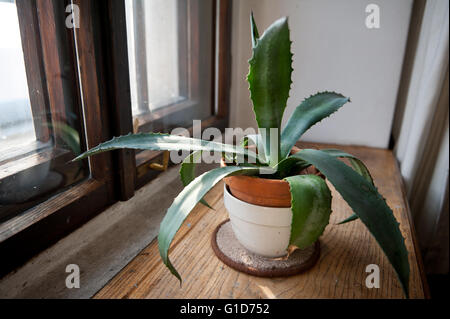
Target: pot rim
[(267, 180)]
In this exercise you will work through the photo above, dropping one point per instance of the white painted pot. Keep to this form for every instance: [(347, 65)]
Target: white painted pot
[(262, 230)]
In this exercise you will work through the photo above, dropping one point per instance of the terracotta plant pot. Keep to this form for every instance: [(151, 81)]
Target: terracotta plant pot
[(263, 191), (259, 211)]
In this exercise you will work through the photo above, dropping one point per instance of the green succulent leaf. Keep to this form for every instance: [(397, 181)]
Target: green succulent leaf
[(255, 34), (369, 205), (186, 201), (356, 163), (257, 140), (349, 219), (269, 81), (358, 166), (308, 113), (164, 142), (187, 171), (286, 165), (311, 209)]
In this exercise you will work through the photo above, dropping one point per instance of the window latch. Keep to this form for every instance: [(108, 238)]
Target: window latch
[(165, 163)]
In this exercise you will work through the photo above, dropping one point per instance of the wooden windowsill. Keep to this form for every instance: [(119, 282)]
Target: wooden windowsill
[(340, 272)]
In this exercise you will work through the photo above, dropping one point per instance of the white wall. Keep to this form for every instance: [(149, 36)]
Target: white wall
[(333, 50)]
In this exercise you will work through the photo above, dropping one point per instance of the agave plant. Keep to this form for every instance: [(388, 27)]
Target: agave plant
[(269, 81)]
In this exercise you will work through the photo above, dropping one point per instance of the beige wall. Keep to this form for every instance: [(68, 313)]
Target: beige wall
[(333, 50)]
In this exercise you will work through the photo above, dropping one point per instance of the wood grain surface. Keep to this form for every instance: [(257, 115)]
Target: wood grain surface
[(339, 273)]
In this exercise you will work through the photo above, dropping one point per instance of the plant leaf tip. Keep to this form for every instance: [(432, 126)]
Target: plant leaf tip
[(76, 159)]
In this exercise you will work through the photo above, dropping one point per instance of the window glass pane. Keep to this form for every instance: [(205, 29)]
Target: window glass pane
[(16, 120), (163, 63), (40, 123), (170, 57)]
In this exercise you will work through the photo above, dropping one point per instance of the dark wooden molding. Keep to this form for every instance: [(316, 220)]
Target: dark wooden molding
[(96, 111), (214, 50), (34, 67), (224, 58), (51, 58), (117, 75)]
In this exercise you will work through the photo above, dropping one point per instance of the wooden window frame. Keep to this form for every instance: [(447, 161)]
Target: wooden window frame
[(221, 51), (103, 60), (51, 92)]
